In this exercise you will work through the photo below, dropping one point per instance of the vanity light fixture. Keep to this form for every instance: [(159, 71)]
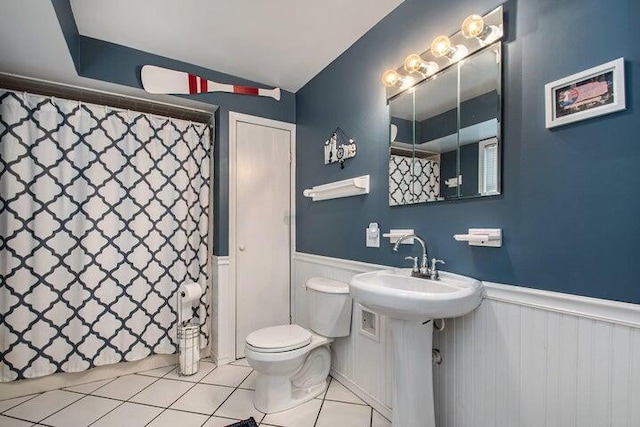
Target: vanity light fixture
[(392, 77), (414, 62), (474, 26), (476, 33)]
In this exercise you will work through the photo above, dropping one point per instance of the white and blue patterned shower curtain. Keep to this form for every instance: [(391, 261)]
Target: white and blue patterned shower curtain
[(103, 214)]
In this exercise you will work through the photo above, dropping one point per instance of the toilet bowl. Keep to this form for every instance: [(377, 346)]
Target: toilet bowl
[(291, 362)]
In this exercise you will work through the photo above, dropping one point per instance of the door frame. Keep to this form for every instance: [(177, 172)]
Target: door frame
[(234, 119)]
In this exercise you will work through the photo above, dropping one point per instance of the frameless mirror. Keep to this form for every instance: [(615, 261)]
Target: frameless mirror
[(445, 133)]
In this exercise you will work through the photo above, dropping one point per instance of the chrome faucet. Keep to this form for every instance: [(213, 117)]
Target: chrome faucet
[(424, 270)]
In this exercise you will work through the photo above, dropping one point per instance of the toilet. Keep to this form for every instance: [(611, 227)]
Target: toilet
[(291, 362)]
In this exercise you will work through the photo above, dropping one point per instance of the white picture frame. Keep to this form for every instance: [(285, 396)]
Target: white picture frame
[(590, 93)]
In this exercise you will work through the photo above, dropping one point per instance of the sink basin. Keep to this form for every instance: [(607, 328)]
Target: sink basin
[(394, 293)]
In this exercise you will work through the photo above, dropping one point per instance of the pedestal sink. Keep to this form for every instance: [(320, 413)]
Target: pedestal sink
[(408, 302)]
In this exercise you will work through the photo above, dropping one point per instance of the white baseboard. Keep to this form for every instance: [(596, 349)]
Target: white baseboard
[(362, 394), (219, 361), (70, 379)]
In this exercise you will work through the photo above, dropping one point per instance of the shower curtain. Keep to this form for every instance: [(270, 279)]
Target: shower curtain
[(103, 214)]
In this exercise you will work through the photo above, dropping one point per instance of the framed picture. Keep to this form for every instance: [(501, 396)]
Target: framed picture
[(591, 93)]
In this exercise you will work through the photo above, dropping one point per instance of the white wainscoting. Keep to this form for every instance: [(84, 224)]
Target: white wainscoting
[(523, 358), (222, 313)]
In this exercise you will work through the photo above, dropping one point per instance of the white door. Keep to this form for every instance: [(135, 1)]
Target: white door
[(262, 252)]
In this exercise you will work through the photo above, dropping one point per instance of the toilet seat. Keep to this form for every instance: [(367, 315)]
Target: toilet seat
[(276, 339)]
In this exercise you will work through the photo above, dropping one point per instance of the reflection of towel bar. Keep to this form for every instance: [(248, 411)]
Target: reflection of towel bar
[(491, 237), (345, 188)]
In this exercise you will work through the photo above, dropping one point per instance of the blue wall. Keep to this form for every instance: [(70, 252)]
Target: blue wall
[(570, 210), (101, 60)]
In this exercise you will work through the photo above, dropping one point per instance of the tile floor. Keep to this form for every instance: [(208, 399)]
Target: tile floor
[(214, 397)]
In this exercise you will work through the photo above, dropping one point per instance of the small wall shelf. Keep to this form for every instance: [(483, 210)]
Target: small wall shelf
[(345, 188), (395, 234), (491, 237)]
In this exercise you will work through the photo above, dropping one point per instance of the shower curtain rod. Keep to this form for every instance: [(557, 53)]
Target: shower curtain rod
[(51, 85)]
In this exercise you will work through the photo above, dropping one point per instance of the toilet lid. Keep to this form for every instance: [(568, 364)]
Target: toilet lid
[(279, 338)]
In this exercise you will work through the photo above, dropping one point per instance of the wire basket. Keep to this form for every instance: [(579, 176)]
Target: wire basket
[(188, 349)]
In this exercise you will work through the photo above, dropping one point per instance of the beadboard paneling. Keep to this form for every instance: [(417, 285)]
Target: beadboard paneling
[(512, 362)]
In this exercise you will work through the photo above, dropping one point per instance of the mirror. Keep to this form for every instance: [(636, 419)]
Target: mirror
[(445, 133)]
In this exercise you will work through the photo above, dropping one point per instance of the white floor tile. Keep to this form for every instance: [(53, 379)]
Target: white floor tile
[(250, 382), (162, 392), (87, 388), (241, 362), (10, 403), (301, 416), (379, 421), (344, 415), (219, 422), (158, 372), (340, 393), (40, 407), (229, 375), (82, 413), (124, 387), (128, 415), (204, 369), (240, 405), (171, 418), (203, 398), (12, 422)]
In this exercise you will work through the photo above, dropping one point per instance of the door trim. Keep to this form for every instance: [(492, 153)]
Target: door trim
[(234, 119)]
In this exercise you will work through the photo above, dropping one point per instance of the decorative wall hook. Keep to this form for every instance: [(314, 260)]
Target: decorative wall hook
[(339, 147)]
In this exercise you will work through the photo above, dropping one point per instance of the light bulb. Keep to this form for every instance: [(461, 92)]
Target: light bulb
[(413, 63), (460, 52), (430, 68), (407, 81), (390, 78), (440, 46), (473, 26)]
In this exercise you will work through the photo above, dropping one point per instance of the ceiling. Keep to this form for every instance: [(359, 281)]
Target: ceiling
[(282, 43)]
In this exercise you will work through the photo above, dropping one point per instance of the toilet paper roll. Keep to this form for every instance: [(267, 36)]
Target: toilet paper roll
[(190, 292), (188, 295)]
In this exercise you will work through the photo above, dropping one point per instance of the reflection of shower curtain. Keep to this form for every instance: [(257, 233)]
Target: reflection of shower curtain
[(413, 180), (103, 214)]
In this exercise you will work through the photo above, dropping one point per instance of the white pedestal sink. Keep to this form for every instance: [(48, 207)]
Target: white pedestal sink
[(408, 303)]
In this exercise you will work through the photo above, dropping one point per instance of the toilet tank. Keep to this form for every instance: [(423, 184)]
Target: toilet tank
[(329, 307)]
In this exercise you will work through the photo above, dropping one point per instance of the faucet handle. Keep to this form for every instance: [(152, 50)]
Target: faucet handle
[(415, 268), (435, 261), (434, 270)]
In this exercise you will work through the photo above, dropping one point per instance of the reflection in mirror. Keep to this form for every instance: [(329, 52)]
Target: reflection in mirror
[(480, 124), (445, 134), (402, 137)]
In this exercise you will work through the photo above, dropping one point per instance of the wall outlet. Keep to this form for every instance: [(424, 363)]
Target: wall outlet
[(373, 235)]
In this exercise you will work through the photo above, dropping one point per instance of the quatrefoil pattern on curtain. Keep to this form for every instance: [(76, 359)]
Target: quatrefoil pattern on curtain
[(103, 214), (413, 180)]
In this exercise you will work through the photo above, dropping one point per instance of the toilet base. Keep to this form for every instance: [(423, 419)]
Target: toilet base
[(288, 383), (265, 401)]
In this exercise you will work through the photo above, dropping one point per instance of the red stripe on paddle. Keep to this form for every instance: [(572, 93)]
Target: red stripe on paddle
[(203, 85), (246, 90), (193, 84)]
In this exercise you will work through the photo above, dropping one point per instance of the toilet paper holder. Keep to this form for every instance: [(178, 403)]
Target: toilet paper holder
[(188, 331), (491, 237)]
